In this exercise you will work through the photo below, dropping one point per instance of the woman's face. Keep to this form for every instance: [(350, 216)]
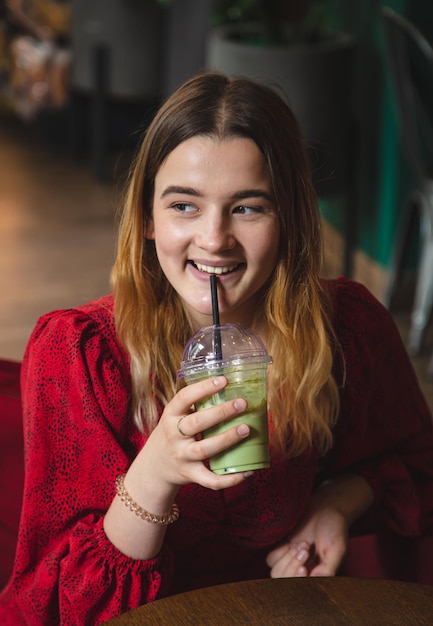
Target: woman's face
[(213, 213)]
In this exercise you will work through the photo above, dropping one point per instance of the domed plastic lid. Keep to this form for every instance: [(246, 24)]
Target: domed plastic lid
[(213, 347)]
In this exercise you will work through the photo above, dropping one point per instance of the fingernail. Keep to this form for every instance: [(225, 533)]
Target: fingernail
[(219, 381), (302, 555), (243, 430), (248, 474), (240, 405)]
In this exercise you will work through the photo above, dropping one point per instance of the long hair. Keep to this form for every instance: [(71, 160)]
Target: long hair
[(296, 312)]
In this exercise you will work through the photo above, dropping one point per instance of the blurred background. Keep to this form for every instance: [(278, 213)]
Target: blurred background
[(80, 80)]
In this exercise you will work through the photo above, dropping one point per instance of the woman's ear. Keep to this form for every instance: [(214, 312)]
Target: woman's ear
[(149, 230)]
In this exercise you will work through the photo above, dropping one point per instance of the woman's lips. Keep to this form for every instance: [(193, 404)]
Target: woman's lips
[(212, 269), (224, 272)]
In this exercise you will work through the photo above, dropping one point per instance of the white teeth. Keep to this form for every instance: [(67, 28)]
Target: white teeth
[(215, 270)]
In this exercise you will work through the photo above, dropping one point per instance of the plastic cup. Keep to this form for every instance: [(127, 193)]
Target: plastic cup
[(237, 353)]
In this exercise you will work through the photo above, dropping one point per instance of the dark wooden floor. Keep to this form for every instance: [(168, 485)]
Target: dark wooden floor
[(57, 238)]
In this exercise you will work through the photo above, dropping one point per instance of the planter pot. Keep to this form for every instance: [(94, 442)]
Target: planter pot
[(129, 35), (185, 53), (316, 80)]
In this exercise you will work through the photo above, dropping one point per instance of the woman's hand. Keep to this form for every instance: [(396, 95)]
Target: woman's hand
[(175, 450), (319, 543), (316, 548), (172, 456)]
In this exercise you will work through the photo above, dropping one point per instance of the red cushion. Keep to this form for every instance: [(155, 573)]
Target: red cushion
[(375, 556), (387, 555), (11, 464)]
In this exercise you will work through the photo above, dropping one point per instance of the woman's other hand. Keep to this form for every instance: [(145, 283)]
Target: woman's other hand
[(316, 548), (319, 543)]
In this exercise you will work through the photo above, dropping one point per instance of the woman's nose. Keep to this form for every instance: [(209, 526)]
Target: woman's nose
[(215, 234)]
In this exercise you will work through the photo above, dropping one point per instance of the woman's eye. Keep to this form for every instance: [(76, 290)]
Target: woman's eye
[(183, 207), (247, 210)]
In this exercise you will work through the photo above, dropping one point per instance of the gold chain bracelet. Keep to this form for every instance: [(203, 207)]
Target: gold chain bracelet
[(168, 518)]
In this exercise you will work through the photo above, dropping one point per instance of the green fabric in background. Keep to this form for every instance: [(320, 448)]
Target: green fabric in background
[(384, 175)]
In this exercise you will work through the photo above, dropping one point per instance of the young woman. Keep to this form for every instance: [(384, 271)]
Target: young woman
[(220, 185)]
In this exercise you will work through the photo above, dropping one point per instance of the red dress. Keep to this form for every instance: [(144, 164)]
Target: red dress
[(79, 437)]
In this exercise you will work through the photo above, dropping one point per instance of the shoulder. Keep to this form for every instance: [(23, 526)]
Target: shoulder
[(96, 316), (367, 334), (100, 311), (350, 293), (356, 309), (85, 332)]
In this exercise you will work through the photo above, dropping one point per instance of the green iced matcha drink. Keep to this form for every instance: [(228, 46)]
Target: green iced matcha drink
[(243, 361), (252, 453)]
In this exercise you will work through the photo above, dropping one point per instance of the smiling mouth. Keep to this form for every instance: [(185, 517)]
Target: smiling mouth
[(210, 269)]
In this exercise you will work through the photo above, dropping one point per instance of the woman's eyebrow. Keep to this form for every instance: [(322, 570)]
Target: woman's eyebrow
[(238, 195), (252, 193), (189, 191)]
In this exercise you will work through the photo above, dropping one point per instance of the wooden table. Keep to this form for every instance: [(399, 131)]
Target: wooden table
[(301, 601)]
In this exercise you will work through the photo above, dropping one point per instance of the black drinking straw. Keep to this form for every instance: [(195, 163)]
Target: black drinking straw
[(216, 317)]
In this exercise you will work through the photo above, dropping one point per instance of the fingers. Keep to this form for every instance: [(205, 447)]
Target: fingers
[(179, 427), (193, 424), (179, 432), (301, 559), (323, 569), (204, 448), (208, 479), (208, 447), (289, 560), (190, 394), (330, 561), (279, 552)]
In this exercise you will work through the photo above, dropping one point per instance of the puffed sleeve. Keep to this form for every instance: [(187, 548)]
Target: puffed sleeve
[(78, 438), (385, 428)]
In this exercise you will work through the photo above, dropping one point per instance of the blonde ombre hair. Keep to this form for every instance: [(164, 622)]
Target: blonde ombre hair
[(296, 313)]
